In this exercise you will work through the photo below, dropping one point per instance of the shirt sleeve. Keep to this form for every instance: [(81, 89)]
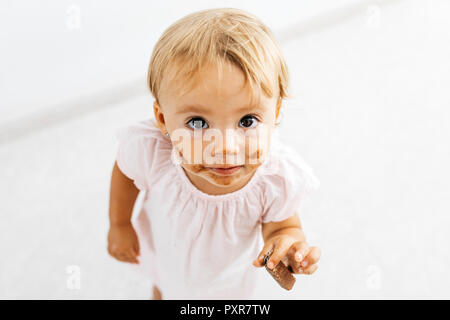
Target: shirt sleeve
[(290, 180), (137, 152)]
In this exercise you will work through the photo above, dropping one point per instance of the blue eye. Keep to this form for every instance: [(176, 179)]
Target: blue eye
[(197, 123), (248, 121)]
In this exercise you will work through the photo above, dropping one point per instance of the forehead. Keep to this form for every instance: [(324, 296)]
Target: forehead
[(212, 85)]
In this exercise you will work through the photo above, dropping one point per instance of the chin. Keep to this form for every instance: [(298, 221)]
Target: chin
[(221, 181)]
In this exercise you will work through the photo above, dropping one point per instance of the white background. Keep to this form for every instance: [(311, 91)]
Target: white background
[(370, 113)]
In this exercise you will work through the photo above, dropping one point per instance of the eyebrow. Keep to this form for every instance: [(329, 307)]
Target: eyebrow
[(205, 110), (193, 108)]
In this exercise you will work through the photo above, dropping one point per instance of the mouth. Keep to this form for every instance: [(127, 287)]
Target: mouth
[(225, 170)]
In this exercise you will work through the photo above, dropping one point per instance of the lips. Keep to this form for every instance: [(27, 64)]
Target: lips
[(225, 171)]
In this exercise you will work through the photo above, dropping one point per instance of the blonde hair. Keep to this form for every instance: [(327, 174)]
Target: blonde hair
[(216, 35)]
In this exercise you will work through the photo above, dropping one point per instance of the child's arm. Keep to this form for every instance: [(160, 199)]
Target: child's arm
[(287, 241), (123, 243)]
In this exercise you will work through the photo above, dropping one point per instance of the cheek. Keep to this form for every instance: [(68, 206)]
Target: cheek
[(189, 150), (250, 168), (194, 168), (257, 151)]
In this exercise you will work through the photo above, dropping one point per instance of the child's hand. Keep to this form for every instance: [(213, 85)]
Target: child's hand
[(123, 243), (295, 254)]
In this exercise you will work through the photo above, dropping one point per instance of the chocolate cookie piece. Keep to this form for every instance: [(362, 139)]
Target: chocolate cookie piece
[(280, 273)]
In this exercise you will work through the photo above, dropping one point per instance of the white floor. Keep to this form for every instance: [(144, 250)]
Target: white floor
[(370, 114)]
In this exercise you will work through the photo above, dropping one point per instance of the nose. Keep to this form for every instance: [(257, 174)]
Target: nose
[(230, 144)]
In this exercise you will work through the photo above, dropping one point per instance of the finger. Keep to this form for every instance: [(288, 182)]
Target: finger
[(293, 265), (135, 259), (301, 250), (259, 262), (295, 255), (112, 252), (130, 259), (131, 255), (280, 250), (120, 257), (124, 257), (312, 257), (136, 249), (311, 269)]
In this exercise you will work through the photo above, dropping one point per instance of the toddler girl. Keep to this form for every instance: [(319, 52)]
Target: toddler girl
[(221, 189)]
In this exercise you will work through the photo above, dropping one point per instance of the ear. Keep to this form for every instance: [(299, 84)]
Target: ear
[(159, 116)]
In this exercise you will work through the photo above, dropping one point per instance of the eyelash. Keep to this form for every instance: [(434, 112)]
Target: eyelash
[(201, 119), (194, 118)]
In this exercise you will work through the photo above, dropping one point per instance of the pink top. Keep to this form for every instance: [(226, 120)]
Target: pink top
[(200, 246)]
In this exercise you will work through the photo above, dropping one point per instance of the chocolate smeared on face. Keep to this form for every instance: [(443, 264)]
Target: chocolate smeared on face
[(220, 116)]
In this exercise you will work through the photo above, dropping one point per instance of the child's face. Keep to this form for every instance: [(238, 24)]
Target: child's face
[(220, 137)]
